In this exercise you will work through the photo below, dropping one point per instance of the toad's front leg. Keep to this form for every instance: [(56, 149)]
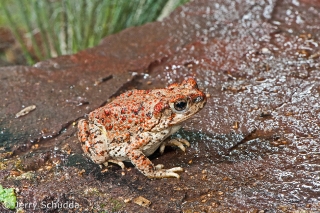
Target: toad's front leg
[(144, 165)]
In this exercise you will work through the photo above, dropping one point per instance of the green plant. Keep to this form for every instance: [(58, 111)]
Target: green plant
[(8, 198), (57, 27)]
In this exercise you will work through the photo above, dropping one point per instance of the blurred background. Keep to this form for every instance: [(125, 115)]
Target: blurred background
[(34, 30)]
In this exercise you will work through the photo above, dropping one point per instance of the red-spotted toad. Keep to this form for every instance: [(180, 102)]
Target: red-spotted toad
[(135, 124)]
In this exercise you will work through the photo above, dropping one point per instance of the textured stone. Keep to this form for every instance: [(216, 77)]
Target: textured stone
[(255, 146)]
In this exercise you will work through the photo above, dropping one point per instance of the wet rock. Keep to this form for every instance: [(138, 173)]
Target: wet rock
[(254, 147)]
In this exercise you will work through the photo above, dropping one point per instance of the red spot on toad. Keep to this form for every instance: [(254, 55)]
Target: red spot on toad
[(159, 107), (107, 112), (123, 110)]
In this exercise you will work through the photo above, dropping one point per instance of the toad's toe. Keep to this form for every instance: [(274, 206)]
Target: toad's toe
[(179, 142), (167, 173)]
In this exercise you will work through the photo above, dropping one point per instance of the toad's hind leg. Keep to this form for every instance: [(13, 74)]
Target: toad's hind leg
[(143, 164), (94, 147), (83, 131)]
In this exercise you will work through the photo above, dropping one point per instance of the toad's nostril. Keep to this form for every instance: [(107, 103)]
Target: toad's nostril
[(198, 99)]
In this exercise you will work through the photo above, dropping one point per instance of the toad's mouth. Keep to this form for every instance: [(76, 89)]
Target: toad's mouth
[(182, 119), (179, 118)]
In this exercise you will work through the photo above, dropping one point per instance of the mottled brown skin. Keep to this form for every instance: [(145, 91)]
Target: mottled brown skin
[(136, 123)]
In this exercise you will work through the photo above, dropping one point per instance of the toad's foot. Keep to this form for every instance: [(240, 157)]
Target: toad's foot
[(166, 173), (159, 166), (179, 142), (143, 163), (115, 162)]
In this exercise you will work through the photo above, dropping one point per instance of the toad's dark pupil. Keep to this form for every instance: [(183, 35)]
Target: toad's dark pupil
[(180, 105)]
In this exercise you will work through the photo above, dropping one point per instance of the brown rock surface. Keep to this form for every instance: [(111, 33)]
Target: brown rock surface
[(255, 146)]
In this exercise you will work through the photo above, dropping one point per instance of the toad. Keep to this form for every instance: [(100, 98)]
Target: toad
[(136, 123)]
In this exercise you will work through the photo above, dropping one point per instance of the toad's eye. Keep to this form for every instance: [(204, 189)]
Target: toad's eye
[(180, 104)]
